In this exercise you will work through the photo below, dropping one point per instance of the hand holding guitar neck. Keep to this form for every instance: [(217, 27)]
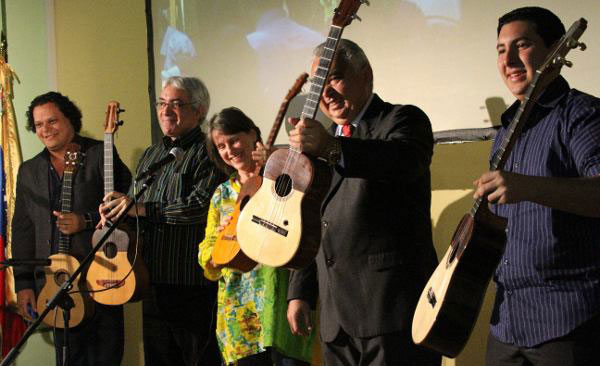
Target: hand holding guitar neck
[(63, 264), (450, 302), (280, 225), (117, 274)]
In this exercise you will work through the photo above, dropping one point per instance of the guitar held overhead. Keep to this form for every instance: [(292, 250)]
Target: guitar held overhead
[(280, 225)]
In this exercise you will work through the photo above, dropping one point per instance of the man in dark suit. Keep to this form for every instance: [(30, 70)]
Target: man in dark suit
[(37, 220), (376, 249)]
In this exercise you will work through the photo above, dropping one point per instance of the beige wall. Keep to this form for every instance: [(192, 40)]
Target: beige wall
[(100, 56)]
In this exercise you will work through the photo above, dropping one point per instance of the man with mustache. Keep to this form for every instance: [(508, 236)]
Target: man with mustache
[(547, 303), (179, 316)]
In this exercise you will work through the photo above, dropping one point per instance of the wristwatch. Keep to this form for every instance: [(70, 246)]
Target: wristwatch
[(335, 152)]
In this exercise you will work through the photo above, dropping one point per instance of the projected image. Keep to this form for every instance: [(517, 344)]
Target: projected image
[(249, 52)]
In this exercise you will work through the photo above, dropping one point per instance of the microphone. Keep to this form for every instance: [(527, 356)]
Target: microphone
[(26, 262), (175, 153)]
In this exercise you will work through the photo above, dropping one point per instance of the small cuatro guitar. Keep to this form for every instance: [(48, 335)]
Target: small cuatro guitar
[(450, 302), (117, 275), (280, 225), (63, 264), (226, 251)]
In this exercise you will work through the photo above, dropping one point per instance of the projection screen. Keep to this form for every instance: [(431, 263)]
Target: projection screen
[(437, 54)]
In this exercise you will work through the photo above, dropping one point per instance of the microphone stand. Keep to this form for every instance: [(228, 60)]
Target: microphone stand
[(62, 298)]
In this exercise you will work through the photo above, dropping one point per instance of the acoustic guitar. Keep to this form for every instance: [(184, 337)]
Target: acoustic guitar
[(226, 251), (450, 302), (63, 264), (117, 274), (280, 225)]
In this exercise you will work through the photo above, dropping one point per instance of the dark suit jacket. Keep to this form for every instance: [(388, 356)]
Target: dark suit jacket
[(31, 223), (376, 250)]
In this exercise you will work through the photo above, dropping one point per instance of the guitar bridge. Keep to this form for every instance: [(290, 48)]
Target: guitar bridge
[(431, 297), (269, 225), (110, 283)]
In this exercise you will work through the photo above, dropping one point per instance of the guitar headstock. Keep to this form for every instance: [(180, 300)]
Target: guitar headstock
[(556, 57), (297, 87), (345, 13), (73, 157), (111, 121)]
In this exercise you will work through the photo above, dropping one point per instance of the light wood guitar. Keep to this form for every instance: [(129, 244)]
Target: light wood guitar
[(63, 264), (226, 251), (280, 225), (117, 275), (450, 302)]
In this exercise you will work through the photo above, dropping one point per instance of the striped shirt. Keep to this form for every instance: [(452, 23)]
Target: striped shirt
[(176, 207), (548, 281)]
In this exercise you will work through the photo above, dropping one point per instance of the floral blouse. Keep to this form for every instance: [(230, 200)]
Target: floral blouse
[(252, 306)]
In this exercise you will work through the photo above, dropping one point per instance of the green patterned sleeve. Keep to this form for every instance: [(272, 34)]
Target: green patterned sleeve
[(206, 246)]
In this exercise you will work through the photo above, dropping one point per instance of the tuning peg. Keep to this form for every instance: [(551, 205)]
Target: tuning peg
[(356, 17), (120, 110), (574, 44), (559, 60), (119, 123)]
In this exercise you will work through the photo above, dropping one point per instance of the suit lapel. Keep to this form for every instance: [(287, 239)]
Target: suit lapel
[(362, 131)]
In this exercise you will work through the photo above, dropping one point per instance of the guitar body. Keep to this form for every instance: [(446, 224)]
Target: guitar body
[(56, 274), (450, 302), (280, 225), (227, 251), (111, 276)]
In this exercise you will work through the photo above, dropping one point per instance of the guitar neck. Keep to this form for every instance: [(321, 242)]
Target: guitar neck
[(64, 240), (109, 181), (512, 133), (319, 79), (277, 124)]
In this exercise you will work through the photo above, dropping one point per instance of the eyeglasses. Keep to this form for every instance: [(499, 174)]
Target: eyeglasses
[(174, 104)]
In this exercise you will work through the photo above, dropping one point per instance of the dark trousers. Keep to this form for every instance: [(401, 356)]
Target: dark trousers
[(179, 326), (578, 348), (98, 341), (394, 349), (270, 358)]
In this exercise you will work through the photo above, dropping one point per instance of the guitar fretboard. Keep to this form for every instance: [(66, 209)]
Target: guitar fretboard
[(109, 180), (64, 240), (317, 83), (277, 125)]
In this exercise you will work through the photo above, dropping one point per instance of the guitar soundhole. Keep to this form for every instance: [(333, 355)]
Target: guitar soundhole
[(283, 185), (110, 250), (60, 277)]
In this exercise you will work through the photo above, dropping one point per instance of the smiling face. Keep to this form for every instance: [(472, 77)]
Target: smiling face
[(236, 149), (53, 129), (176, 121), (521, 51), (345, 92)]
